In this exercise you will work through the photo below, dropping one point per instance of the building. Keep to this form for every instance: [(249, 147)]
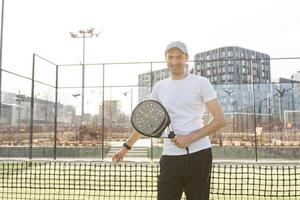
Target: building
[(288, 100), (112, 111), (17, 107), (233, 65), (296, 76), (66, 114), (146, 79), (296, 89), (241, 78)]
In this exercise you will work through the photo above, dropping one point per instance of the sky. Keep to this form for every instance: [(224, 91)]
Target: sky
[(138, 30)]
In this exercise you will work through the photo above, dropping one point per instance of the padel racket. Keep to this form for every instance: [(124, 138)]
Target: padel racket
[(150, 118)]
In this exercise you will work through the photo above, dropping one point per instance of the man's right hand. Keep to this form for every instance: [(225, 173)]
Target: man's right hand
[(119, 155)]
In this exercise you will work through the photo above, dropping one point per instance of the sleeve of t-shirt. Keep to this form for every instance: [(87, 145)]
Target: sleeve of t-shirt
[(207, 91), (154, 93)]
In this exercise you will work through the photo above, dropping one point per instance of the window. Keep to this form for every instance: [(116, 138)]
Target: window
[(223, 77), (222, 54)]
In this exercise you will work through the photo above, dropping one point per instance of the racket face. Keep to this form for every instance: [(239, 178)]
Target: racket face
[(150, 118)]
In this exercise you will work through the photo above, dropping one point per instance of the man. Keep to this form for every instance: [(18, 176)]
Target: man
[(185, 164)]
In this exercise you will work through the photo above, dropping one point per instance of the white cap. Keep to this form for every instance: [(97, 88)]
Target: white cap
[(177, 44)]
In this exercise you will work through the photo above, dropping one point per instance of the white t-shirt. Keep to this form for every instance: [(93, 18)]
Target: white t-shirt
[(184, 100)]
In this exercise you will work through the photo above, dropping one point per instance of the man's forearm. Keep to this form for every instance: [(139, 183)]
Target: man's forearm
[(206, 130), (133, 138)]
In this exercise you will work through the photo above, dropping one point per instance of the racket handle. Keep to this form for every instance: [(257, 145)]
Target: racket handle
[(171, 135)]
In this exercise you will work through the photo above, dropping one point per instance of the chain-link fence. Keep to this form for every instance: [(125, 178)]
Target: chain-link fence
[(83, 110)]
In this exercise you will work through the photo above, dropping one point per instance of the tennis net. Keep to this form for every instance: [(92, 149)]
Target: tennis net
[(134, 180)]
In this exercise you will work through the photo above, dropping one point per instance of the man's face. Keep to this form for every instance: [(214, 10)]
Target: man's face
[(176, 60)]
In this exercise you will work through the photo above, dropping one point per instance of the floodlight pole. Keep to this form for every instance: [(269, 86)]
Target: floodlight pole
[(1, 43), (89, 33)]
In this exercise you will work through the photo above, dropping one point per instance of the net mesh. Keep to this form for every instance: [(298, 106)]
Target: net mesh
[(130, 180)]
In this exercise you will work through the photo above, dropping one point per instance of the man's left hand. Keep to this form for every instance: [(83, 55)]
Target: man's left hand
[(182, 141)]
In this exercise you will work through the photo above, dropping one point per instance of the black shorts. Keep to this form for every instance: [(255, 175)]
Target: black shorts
[(189, 173)]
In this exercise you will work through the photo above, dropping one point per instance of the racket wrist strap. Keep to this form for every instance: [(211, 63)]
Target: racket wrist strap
[(171, 135), (126, 146)]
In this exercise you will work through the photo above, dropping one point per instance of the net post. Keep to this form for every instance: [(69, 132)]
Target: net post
[(31, 106), (55, 113), (103, 82), (151, 87), (254, 107)]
